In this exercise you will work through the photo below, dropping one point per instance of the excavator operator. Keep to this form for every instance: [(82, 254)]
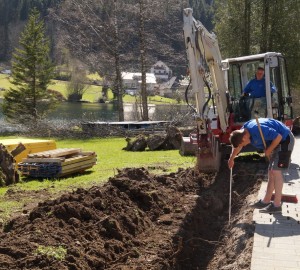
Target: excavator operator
[(255, 90)]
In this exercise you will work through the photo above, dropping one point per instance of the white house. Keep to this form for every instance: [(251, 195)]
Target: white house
[(132, 82), (161, 71)]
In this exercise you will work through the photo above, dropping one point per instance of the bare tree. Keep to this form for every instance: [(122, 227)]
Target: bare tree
[(159, 35), (111, 36), (145, 116), (93, 31)]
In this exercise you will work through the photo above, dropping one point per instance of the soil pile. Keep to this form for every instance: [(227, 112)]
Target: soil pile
[(139, 221)]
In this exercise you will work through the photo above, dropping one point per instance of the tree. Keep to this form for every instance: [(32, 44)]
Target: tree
[(248, 27), (12, 15), (142, 37), (32, 70), (76, 87), (232, 26), (158, 36), (95, 33)]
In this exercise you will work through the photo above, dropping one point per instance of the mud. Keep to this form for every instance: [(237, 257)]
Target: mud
[(140, 221)]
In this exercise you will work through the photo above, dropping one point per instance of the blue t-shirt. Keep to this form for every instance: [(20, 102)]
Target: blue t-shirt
[(257, 88), (271, 128)]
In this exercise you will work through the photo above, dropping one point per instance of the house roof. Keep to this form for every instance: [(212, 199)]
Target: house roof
[(150, 77), (160, 63)]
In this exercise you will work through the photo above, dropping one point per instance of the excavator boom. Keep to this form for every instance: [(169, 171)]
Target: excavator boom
[(203, 54)]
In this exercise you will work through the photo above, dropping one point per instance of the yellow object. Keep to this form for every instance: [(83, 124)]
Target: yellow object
[(31, 145)]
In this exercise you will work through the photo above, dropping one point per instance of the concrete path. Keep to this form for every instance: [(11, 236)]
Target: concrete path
[(277, 237)]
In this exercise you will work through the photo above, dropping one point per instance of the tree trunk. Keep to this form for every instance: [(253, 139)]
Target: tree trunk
[(119, 89), (264, 26), (118, 80), (145, 116), (247, 27)]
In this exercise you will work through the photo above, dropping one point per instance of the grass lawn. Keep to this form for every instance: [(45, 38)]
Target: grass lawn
[(110, 158), (92, 94)]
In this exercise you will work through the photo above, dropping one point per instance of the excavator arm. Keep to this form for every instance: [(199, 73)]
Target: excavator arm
[(208, 83), (202, 52)]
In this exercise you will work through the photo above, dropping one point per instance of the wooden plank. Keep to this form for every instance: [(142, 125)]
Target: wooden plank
[(67, 152), (78, 164), (88, 153), (64, 161), (74, 166), (79, 169), (76, 159), (43, 160), (56, 153), (47, 153)]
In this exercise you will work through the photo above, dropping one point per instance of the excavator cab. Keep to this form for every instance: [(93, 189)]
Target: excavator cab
[(239, 71)]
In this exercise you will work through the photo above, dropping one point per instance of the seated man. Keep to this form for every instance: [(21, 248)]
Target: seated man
[(256, 90)]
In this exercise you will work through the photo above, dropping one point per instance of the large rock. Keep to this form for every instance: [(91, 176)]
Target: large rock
[(156, 141), (139, 143), (174, 136)]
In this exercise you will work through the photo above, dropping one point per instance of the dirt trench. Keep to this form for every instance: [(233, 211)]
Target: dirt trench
[(140, 221)]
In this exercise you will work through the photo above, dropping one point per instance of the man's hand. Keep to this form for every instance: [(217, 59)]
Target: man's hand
[(273, 145), (230, 163), (268, 153)]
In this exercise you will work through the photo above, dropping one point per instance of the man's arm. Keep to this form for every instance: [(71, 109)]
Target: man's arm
[(247, 88), (272, 146)]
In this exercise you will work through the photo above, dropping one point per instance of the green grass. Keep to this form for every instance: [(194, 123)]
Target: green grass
[(8, 207), (92, 94), (110, 157), (57, 253), (151, 99), (94, 76)]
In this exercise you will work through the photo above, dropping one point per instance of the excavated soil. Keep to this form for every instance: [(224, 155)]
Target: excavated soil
[(140, 221)]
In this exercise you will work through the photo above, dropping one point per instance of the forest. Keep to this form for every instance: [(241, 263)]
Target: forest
[(95, 32)]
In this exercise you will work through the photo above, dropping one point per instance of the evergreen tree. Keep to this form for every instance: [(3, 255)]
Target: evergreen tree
[(248, 27), (28, 100)]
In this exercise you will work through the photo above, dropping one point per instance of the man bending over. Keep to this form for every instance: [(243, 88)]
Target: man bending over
[(279, 146)]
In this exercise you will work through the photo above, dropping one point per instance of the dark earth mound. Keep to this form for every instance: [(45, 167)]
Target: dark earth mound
[(140, 221)]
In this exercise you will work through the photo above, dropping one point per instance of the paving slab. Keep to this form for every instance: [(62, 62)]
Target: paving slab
[(276, 243)]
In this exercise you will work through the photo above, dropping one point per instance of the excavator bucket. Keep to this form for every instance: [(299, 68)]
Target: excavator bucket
[(8, 172), (188, 146), (210, 159)]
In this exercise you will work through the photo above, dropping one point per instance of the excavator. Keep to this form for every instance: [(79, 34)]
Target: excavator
[(220, 106)]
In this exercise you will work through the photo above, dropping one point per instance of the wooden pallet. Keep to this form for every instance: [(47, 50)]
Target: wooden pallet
[(68, 160)]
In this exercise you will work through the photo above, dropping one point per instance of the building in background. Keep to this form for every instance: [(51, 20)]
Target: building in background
[(132, 82), (161, 72)]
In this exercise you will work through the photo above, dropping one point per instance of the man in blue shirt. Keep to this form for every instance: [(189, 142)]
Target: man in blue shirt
[(256, 90), (279, 146)]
